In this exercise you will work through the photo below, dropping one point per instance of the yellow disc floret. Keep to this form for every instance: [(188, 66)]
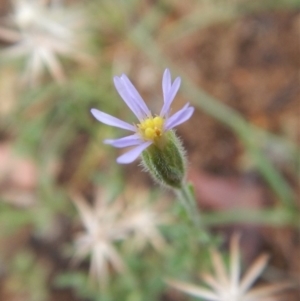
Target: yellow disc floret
[(151, 128)]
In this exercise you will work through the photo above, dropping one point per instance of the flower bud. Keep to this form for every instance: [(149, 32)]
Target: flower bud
[(165, 160)]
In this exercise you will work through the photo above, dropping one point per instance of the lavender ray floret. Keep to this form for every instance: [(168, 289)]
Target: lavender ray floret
[(166, 83), (133, 154), (135, 95), (131, 103), (125, 141), (170, 97), (179, 117), (174, 89), (111, 120)]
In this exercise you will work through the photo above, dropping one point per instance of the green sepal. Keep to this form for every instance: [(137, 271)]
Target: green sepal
[(165, 161)]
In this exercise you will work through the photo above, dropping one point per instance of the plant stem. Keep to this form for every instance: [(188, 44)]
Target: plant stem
[(189, 203), (187, 198)]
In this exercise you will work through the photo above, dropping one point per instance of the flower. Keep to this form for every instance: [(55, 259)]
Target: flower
[(142, 223), (151, 129), (107, 223), (226, 286), (98, 240), (42, 31)]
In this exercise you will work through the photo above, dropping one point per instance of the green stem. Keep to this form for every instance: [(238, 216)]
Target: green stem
[(188, 200), (189, 203)]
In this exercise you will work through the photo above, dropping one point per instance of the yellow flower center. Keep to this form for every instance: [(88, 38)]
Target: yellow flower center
[(151, 128)]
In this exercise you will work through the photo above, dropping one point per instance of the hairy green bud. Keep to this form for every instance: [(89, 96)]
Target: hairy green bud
[(165, 160)]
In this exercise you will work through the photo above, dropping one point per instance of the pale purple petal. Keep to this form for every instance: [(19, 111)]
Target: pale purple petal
[(131, 103), (174, 89), (170, 97), (111, 120), (133, 154), (125, 141), (166, 83), (136, 96), (179, 117)]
